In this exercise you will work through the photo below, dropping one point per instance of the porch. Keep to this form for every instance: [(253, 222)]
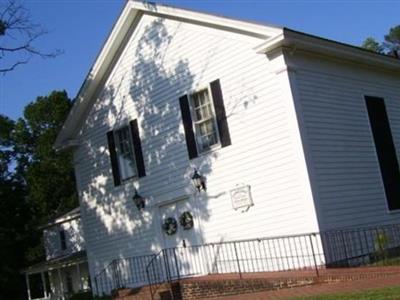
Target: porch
[(58, 278)]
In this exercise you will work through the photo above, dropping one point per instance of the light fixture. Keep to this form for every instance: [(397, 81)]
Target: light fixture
[(139, 201), (199, 181)]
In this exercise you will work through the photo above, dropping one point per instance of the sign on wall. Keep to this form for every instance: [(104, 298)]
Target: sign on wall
[(241, 197)]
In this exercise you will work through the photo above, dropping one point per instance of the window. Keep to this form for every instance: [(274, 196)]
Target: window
[(204, 121), (63, 242), (385, 150), (124, 150), (126, 154), (69, 283)]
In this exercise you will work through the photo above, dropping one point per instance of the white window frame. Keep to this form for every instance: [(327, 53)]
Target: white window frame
[(117, 151), (195, 122)]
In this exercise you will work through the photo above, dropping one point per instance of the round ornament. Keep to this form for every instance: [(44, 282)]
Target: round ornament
[(186, 220), (170, 226)]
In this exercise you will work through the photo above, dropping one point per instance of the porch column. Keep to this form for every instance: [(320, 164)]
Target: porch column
[(61, 284), (28, 288), (44, 284), (78, 271)]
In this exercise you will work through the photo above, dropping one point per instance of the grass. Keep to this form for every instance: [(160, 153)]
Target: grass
[(390, 293)]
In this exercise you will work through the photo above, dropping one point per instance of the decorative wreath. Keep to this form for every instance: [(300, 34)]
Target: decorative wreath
[(186, 220), (170, 226)]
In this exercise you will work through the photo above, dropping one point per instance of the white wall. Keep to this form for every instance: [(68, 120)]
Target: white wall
[(347, 184), (162, 61), (73, 238)]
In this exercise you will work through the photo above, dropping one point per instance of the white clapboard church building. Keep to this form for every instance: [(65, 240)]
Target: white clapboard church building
[(207, 135)]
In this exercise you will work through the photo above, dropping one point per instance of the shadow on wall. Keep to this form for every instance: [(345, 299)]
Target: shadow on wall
[(152, 89), (73, 239)]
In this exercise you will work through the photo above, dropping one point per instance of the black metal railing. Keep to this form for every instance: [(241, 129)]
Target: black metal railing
[(158, 271), (282, 253), (361, 246), (123, 272), (312, 252)]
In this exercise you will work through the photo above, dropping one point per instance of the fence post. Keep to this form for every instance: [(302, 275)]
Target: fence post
[(237, 260), (313, 253)]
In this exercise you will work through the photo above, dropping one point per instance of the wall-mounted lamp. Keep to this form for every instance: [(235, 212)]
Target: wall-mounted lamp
[(139, 201), (199, 181)]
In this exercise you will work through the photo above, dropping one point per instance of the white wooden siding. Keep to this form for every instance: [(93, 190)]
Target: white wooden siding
[(346, 178), (73, 239), (176, 58)]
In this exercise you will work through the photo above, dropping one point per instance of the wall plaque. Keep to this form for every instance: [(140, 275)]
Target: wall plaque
[(241, 197)]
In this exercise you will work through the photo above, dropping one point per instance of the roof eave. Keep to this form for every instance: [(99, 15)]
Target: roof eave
[(95, 75), (132, 10), (301, 41)]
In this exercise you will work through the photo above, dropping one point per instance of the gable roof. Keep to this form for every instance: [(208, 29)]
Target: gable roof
[(271, 38), (117, 39), (71, 215)]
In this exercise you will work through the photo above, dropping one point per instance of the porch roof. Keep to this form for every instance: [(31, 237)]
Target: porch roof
[(56, 263)]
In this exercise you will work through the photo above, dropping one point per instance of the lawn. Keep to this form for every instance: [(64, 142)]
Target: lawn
[(390, 293)]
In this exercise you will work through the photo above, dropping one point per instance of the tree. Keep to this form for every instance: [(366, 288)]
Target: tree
[(392, 41), (371, 44), (36, 184), (14, 212), (18, 35), (48, 174), (390, 46)]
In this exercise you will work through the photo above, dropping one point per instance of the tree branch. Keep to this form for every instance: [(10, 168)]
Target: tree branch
[(18, 34), (5, 70)]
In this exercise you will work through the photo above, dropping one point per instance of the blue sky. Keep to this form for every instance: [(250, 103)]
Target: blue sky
[(80, 27)]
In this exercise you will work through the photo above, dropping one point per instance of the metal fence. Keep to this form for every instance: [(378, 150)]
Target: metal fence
[(313, 251), (123, 272)]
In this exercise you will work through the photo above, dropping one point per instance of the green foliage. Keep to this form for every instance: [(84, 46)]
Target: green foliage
[(389, 293), (390, 46), (88, 296), (381, 243), (392, 41), (36, 184), (371, 44), (49, 175), (6, 153), (82, 296)]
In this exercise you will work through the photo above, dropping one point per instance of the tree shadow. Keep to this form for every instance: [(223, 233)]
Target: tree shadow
[(147, 89)]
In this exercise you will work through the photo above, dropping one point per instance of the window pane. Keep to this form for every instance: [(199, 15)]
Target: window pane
[(125, 156), (204, 120), (206, 127)]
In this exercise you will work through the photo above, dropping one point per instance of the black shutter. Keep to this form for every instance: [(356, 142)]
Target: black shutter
[(220, 113), (113, 158), (188, 127), (385, 150), (137, 147)]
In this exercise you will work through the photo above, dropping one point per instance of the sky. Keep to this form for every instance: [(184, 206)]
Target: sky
[(80, 27)]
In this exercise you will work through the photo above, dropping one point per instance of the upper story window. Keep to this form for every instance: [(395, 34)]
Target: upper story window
[(204, 120), (63, 241), (126, 153), (124, 150), (385, 150)]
